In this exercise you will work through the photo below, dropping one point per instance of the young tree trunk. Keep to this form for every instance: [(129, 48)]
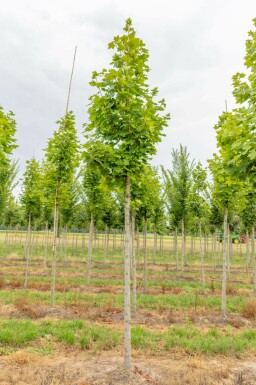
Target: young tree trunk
[(145, 275), (228, 253), (28, 251), (215, 248), (46, 245), (105, 242), (155, 247), (73, 242), (202, 258), (127, 304), (138, 247), (54, 246), (184, 261), (90, 245), (65, 239), (176, 249), (247, 251), (134, 278), (224, 270), (253, 260), (83, 237)]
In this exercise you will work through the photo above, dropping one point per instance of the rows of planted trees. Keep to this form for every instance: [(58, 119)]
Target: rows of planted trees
[(106, 185)]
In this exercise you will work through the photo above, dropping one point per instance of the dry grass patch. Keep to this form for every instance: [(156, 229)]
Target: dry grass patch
[(231, 290), (249, 308), (21, 358), (2, 282)]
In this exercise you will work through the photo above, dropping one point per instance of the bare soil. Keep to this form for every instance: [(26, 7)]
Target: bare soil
[(69, 367)]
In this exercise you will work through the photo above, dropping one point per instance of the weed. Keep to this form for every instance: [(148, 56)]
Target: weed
[(231, 290), (21, 303), (2, 282), (249, 308), (16, 333)]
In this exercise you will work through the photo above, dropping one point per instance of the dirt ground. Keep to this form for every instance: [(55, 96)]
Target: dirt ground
[(69, 367)]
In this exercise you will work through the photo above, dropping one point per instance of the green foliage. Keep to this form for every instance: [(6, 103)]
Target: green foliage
[(236, 129), (13, 213), (147, 198), (228, 190), (31, 196), (8, 168), (61, 156), (7, 132), (199, 208), (125, 121), (177, 185)]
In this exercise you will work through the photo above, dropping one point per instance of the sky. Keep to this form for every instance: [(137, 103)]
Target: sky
[(195, 48)]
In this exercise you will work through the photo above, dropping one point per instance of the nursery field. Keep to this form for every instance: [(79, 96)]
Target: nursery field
[(178, 336)]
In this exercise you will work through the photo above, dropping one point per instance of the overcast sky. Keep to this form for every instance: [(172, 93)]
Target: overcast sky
[(195, 47)]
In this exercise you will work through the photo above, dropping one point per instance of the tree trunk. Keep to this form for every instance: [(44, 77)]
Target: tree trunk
[(224, 269), (155, 247), (228, 253), (134, 278), (247, 251), (145, 275), (176, 249), (253, 260), (46, 245), (90, 245), (215, 248), (105, 243), (54, 246), (184, 262), (65, 239), (138, 247), (83, 238), (28, 251), (202, 257), (127, 304)]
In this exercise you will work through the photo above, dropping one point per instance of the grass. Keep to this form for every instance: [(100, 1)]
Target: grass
[(17, 333), (168, 291)]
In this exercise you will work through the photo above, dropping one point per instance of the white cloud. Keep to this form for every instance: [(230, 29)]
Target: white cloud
[(195, 48)]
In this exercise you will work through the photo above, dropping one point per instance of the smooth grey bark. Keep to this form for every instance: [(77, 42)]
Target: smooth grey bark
[(228, 252), (224, 268), (90, 246), (127, 278), (138, 247), (134, 278), (253, 259), (83, 237), (215, 248), (184, 261), (46, 245), (155, 247), (28, 249), (176, 249), (202, 258), (54, 246), (145, 274), (65, 242), (247, 251)]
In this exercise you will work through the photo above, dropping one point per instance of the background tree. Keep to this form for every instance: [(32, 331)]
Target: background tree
[(125, 125), (8, 168), (227, 193), (61, 158), (31, 200), (93, 186), (199, 207), (177, 186)]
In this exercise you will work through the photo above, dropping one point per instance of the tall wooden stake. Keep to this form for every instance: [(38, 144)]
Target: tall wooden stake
[(70, 82)]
